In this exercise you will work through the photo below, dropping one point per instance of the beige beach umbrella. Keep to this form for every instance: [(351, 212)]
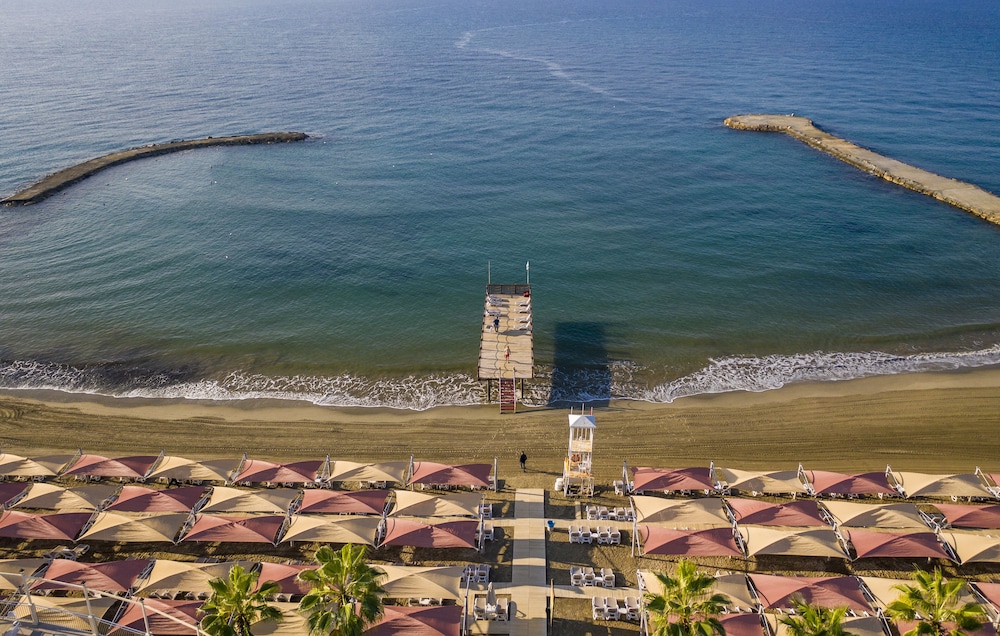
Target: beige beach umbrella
[(883, 591), (17, 466), (417, 504), (681, 512), (10, 571), (135, 527), (773, 482), (292, 623), (974, 546), (226, 499), (732, 584), (332, 529), (184, 469), (791, 541), (63, 611), (875, 515), (393, 472), (402, 581), (186, 576), (856, 625), (46, 496), (943, 486)]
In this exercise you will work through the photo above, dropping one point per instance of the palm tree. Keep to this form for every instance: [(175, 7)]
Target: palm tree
[(810, 620), (935, 602), (346, 597), (234, 605), (686, 605)]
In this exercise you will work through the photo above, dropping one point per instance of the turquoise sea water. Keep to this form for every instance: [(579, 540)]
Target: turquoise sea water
[(669, 255)]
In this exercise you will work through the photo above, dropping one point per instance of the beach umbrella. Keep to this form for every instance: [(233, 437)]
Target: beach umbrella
[(408, 581), (774, 482), (286, 576), (417, 504), (965, 516), (259, 471), (186, 576), (491, 595), (115, 577), (825, 482), (924, 485), (64, 612), (702, 542), (253, 529), (17, 466), (856, 625), (10, 571), (52, 497), (135, 527), (61, 526), (443, 620), (733, 585), (10, 490), (884, 591), (345, 502), (471, 475), (292, 623), (742, 624), (777, 592), (883, 515), (142, 499), (763, 513), (134, 467), (910, 545), (447, 534), (225, 499), (990, 593), (784, 541), (184, 469), (685, 512), (671, 479), (134, 619), (391, 472), (973, 546), (332, 529)]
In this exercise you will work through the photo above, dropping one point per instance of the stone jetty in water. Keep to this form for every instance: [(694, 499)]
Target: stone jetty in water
[(962, 195), (65, 178)]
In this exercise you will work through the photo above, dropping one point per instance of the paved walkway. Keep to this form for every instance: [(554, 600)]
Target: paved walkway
[(528, 588)]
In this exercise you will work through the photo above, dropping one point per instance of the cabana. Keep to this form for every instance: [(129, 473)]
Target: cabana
[(383, 473), (782, 482), (250, 529), (141, 499), (135, 527), (343, 502), (761, 513), (444, 620), (114, 577), (672, 479), (416, 504), (332, 529), (777, 592), (17, 466), (784, 541), (98, 466), (404, 581), (852, 514), (60, 526), (824, 483), (468, 475), (715, 542), (189, 470), (185, 576), (46, 496), (286, 576), (135, 618), (257, 471), (909, 545), (974, 546), (951, 486), (62, 611), (225, 499), (964, 516), (732, 585), (681, 512), (446, 534)]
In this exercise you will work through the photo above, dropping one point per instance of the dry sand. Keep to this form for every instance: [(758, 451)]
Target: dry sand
[(931, 422)]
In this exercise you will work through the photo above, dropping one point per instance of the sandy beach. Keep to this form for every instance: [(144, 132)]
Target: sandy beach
[(930, 422)]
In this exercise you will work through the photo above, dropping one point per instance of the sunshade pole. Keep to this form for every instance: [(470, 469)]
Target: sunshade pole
[(90, 610), (31, 605), (145, 619), (496, 477)]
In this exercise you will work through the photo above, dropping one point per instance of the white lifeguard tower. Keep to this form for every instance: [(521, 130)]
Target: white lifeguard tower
[(578, 475)]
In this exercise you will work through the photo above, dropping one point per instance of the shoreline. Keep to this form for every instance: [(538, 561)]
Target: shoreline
[(930, 422)]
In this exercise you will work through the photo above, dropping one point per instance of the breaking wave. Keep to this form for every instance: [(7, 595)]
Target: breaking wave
[(618, 380)]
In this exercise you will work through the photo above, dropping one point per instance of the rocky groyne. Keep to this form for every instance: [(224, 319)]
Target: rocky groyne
[(65, 178), (962, 195)]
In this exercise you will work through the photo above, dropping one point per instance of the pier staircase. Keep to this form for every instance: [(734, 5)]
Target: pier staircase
[(508, 396)]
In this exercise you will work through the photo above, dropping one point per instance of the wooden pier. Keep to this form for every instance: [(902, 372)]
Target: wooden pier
[(506, 350), (67, 177), (962, 195)]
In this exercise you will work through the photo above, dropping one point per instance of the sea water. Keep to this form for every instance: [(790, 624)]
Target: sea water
[(452, 140)]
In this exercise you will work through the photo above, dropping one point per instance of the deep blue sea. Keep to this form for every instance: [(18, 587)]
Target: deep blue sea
[(669, 255)]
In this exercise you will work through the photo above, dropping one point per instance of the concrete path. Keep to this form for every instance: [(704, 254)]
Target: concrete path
[(528, 585)]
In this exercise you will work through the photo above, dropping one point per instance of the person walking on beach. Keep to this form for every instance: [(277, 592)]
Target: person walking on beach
[(506, 353), (524, 461), (496, 325)]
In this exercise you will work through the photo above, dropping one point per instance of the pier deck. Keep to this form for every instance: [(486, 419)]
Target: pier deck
[(511, 306), (962, 195), (67, 177)]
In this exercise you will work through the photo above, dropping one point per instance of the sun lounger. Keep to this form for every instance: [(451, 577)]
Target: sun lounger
[(487, 532), (483, 574), (586, 536), (502, 611), (611, 610), (479, 608), (609, 577), (576, 576), (603, 514), (589, 578), (615, 537), (632, 608), (597, 605), (575, 535), (486, 510)]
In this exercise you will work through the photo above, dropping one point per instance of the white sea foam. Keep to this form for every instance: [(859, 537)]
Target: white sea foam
[(618, 380)]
